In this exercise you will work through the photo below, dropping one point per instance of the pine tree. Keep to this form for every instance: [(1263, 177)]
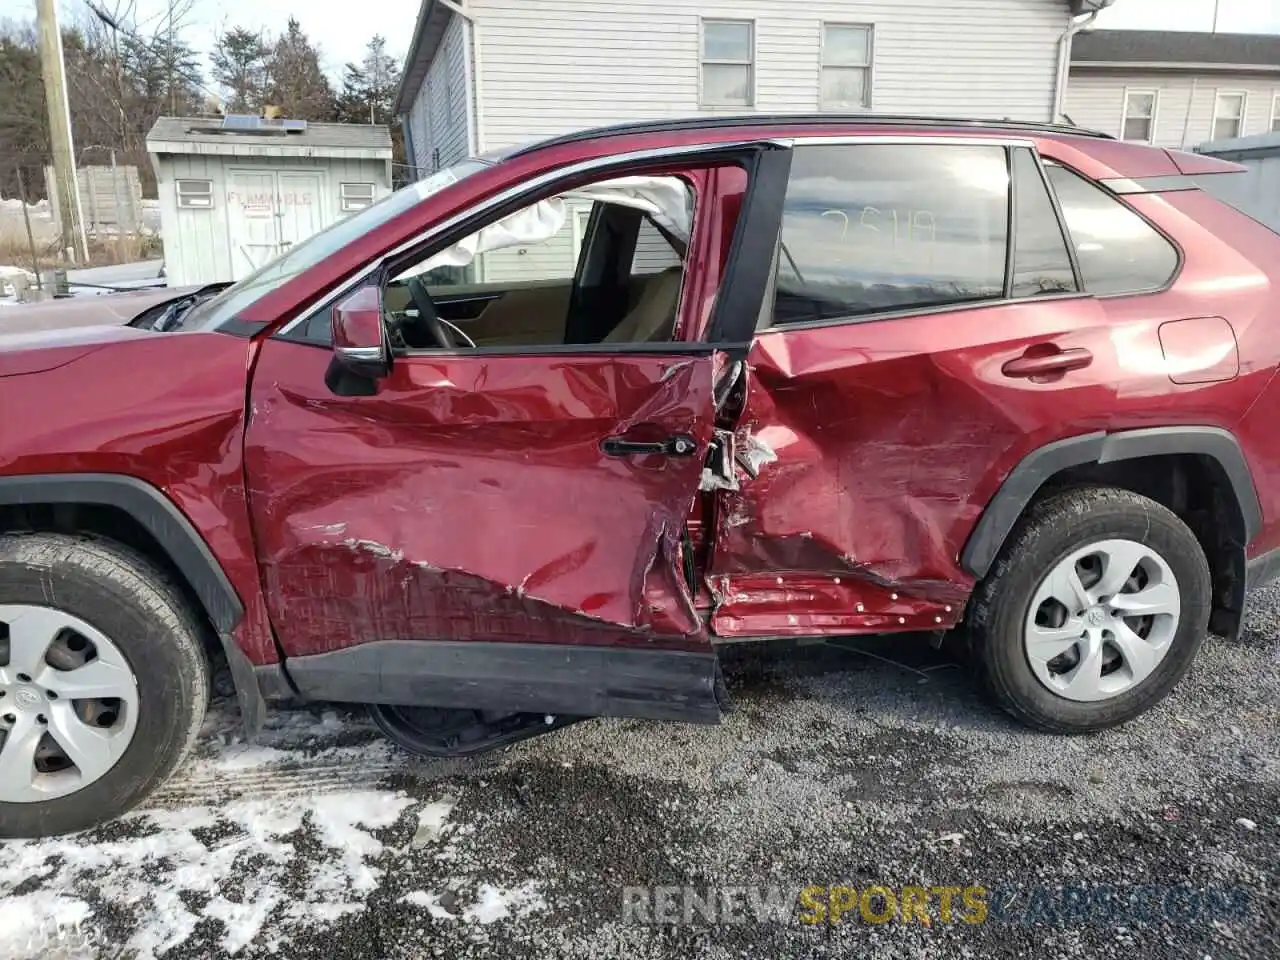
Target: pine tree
[(298, 86), (242, 64), (369, 87)]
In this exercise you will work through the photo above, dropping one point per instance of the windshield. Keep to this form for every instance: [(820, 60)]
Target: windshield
[(311, 251)]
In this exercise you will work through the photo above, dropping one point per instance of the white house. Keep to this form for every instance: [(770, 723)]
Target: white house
[(235, 191), (1175, 89), (481, 75)]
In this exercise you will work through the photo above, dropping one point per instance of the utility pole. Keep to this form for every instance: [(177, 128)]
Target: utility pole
[(64, 158), (1216, 6)]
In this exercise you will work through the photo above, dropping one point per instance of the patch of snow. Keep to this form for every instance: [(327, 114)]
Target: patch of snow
[(431, 823), (491, 903), (149, 871), (37, 924), (242, 756), (431, 901), (495, 903)]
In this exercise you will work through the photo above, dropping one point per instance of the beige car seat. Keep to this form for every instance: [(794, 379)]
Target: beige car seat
[(654, 316)]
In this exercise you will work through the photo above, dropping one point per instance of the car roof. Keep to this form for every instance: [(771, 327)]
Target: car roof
[(784, 120)]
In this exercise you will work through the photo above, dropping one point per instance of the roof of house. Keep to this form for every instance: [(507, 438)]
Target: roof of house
[(206, 135), (433, 18), (1176, 49)]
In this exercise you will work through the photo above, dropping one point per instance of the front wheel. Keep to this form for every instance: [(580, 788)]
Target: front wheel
[(1093, 612), (103, 682)]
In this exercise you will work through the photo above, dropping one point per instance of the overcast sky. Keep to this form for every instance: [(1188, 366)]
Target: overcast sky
[(339, 26)]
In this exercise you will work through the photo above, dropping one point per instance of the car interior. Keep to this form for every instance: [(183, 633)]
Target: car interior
[(603, 264)]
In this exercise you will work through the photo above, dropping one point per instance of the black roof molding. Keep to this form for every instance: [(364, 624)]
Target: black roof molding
[(1176, 49), (721, 122)]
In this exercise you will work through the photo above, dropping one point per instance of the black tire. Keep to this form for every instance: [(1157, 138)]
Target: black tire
[(145, 615), (1049, 531)]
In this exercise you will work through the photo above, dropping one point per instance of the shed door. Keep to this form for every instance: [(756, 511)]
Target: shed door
[(251, 221), (300, 211)]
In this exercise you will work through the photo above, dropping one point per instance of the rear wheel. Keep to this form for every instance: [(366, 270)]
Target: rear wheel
[(103, 682), (440, 732), (1093, 612)]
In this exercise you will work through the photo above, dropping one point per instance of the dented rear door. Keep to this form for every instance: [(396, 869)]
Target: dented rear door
[(483, 498)]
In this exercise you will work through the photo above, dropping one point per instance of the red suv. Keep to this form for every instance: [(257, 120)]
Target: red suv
[(528, 440)]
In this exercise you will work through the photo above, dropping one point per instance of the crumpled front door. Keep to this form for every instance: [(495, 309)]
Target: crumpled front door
[(527, 498)]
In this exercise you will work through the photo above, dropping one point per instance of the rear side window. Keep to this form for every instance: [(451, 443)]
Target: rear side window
[(873, 228), (1041, 263), (1118, 251)]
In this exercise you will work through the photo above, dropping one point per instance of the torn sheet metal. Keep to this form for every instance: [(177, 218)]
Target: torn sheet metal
[(720, 472), (856, 488), (470, 499)]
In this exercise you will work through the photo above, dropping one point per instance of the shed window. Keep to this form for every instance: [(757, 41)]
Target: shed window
[(846, 66), (728, 63), (195, 194), (355, 196)]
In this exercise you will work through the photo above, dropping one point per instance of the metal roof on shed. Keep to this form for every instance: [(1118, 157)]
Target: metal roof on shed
[(201, 135)]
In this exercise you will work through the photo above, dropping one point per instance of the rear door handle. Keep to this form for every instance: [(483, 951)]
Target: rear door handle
[(677, 445), (1076, 358)]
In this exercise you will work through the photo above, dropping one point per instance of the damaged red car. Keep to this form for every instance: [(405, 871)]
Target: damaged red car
[(529, 440)]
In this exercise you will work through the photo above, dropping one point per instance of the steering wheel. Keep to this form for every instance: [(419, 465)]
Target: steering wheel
[(428, 320)]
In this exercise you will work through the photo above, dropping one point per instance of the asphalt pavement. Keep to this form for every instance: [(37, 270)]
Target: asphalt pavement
[(862, 801)]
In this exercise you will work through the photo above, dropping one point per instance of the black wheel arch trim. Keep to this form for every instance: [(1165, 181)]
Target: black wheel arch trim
[(1040, 465), (157, 514)]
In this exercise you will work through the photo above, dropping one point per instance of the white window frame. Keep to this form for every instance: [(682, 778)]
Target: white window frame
[(350, 201), (704, 62), (197, 199), (868, 67), (1155, 112), (1244, 112), (1275, 113)]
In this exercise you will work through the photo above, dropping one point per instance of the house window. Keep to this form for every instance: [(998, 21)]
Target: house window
[(846, 66), (1139, 115), (1275, 113), (195, 194), (728, 63), (355, 196), (1228, 116)]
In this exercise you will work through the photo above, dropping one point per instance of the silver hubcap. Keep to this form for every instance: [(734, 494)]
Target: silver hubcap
[(1102, 620), (68, 704)]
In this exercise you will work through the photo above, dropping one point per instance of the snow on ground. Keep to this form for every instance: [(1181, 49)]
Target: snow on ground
[(240, 845), (861, 764)]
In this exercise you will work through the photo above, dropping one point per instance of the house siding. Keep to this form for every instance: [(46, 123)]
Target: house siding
[(562, 65), (438, 116), (1184, 106)]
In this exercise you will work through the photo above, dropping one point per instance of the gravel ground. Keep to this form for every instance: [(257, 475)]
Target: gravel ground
[(856, 764)]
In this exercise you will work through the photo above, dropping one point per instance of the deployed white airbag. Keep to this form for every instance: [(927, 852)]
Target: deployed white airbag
[(665, 199)]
